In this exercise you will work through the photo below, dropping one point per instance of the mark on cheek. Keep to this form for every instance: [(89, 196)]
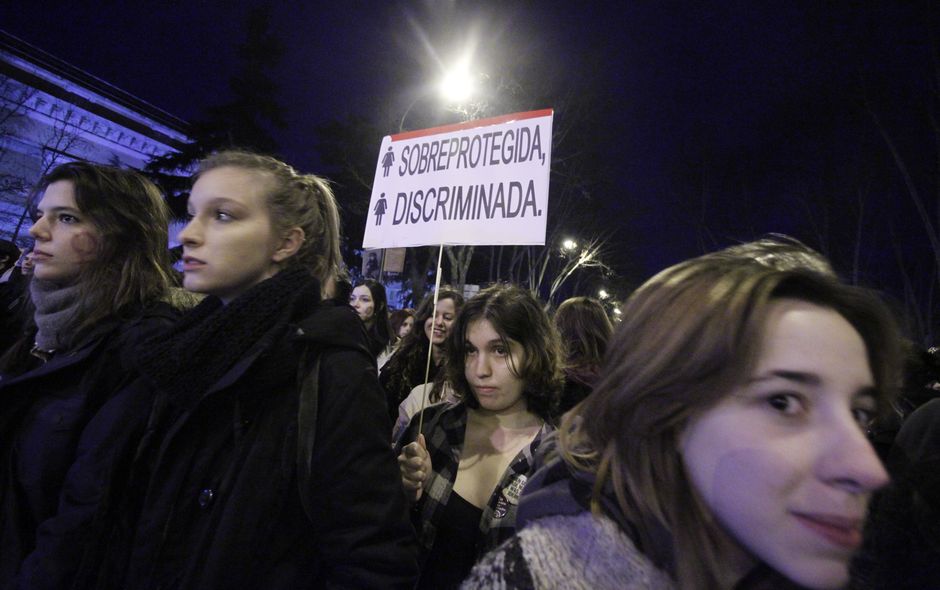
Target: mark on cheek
[(85, 244)]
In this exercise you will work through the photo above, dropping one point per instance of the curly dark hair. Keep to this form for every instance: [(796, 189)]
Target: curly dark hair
[(405, 369), (516, 315)]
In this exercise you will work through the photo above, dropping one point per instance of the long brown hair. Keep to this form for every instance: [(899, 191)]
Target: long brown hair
[(688, 337), (585, 330), (131, 269), (412, 353)]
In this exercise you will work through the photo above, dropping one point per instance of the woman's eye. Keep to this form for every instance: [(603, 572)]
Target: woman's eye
[(788, 404), (66, 218), (863, 416), (500, 351), (223, 216)]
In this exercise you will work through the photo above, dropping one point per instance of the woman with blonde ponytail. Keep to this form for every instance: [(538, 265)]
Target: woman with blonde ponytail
[(265, 460)]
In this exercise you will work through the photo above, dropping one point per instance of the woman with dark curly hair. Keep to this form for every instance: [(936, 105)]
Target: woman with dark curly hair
[(408, 366), (471, 458)]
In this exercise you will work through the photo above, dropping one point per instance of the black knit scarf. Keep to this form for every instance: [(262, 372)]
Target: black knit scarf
[(188, 359)]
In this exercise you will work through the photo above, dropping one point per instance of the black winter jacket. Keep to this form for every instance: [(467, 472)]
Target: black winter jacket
[(213, 500), (43, 413)]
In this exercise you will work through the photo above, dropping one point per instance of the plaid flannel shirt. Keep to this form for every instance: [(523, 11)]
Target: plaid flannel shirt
[(444, 427)]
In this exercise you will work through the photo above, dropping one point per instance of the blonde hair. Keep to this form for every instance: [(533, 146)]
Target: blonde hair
[(294, 200), (688, 337)]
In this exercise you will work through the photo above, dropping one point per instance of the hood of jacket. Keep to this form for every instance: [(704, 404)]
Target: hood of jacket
[(333, 325)]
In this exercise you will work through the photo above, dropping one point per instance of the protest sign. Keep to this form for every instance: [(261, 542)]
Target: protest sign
[(482, 182)]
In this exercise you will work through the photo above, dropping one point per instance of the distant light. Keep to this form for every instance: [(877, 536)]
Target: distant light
[(457, 86), (616, 311), (569, 244), (603, 294)]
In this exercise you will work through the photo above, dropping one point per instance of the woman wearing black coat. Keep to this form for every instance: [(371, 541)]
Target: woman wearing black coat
[(101, 273), (264, 462)]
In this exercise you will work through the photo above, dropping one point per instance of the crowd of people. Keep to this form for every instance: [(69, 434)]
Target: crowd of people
[(259, 421)]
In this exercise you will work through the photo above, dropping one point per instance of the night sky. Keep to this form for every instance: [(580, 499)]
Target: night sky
[(712, 125)]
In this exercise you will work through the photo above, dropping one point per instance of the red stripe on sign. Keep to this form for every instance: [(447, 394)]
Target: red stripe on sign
[(472, 124)]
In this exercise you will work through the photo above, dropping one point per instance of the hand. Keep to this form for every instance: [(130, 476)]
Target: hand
[(414, 462)]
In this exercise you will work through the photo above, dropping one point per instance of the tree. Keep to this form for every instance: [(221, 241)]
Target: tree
[(60, 140), (15, 99), (242, 122)]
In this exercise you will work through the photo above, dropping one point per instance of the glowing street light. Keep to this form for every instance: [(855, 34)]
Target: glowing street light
[(603, 294), (458, 85), (569, 245)]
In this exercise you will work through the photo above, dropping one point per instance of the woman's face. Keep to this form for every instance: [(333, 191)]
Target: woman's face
[(406, 326), (361, 300), (782, 461), (489, 368), (229, 244), (66, 239), (437, 327)]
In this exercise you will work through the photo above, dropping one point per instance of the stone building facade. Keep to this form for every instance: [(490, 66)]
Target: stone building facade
[(52, 112)]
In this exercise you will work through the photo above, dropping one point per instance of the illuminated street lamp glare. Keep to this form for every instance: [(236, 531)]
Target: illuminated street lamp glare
[(457, 86), (603, 294), (569, 244)]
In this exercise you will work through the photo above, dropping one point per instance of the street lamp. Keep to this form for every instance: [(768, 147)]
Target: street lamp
[(569, 245), (457, 86)]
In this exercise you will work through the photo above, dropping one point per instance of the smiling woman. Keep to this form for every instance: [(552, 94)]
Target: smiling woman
[(407, 367), (724, 444)]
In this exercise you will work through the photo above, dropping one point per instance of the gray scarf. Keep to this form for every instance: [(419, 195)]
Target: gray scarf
[(56, 306)]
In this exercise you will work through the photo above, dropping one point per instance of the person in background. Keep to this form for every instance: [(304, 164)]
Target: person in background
[(402, 320), (585, 329), (100, 286), (408, 366), (371, 305), (9, 255), (264, 462), (902, 538), (15, 311), (724, 444), (470, 460)]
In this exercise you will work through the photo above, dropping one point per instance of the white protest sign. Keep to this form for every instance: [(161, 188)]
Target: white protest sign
[(481, 182)]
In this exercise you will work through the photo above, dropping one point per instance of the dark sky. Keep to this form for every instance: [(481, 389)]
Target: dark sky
[(719, 123)]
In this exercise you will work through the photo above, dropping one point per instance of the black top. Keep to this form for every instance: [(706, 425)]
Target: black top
[(454, 552)]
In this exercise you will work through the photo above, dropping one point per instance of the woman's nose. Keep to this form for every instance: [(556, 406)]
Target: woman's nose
[(39, 229), (850, 462), (189, 234)]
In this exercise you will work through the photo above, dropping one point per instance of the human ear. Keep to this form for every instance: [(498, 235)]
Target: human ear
[(290, 243)]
